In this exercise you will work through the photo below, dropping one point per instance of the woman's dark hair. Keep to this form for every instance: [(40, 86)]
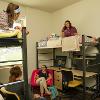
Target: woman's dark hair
[(70, 25), (10, 11), (64, 28), (15, 72), (44, 66)]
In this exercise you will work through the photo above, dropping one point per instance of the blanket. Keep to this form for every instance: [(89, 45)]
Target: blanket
[(6, 34)]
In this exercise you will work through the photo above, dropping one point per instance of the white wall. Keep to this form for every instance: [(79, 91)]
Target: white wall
[(39, 24), (84, 15)]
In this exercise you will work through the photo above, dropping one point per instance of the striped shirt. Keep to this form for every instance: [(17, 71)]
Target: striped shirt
[(3, 20)]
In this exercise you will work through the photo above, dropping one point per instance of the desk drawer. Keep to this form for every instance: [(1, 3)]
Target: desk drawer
[(58, 84), (58, 80), (57, 73)]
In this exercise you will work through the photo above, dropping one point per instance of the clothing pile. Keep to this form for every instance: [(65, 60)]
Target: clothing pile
[(54, 92)]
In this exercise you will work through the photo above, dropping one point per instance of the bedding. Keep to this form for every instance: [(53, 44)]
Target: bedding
[(5, 38), (70, 44), (12, 33), (73, 42)]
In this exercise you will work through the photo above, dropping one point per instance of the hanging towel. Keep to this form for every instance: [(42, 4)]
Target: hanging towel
[(70, 43)]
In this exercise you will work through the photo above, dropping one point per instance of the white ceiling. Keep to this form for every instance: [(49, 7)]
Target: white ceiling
[(46, 5)]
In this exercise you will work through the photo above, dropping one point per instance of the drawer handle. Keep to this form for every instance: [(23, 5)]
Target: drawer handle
[(58, 71)]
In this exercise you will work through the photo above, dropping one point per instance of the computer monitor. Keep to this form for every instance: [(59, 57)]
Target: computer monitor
[(60, 61)]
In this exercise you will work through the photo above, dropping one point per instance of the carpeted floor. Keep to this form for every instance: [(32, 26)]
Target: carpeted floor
[(81, 97), (75, 97)]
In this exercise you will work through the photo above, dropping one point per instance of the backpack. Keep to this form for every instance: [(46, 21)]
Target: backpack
[(54, 92)]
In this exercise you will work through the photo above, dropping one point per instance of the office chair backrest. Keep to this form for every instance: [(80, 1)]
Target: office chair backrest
[(98, 58), (67, 76), (12, 97), (9, 95)]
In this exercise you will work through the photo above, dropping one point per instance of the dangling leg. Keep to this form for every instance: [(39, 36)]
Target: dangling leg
[(41, 88), (43, 85)]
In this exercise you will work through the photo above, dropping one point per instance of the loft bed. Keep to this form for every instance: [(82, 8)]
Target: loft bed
[(68, 44), (96, 93), (84, 44), (58, 43), (71, 44), (9, 38), (61, 42), (9, 41)]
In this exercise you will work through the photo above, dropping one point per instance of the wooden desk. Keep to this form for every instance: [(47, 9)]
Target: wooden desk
[(77, 74), (86, 58)]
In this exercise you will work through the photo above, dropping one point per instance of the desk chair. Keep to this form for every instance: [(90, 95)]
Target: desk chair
[(9, 95), (69, 82), (35, 87), (68, 79)]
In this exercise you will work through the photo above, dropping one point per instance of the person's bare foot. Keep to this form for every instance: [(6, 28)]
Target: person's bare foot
[(36, 96), (41, 94), (48, 92)]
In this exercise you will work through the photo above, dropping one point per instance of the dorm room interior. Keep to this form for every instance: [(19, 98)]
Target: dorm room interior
[(66, 60)]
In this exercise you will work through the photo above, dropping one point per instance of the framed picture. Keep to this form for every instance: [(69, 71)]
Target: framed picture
[(60, 61)]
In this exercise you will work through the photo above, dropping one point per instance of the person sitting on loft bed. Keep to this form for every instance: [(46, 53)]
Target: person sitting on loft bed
[(69, 33), (68, 29), (7, 19)]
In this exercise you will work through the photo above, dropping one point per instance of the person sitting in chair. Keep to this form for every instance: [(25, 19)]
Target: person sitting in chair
[(18, 88), (42, 78)]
